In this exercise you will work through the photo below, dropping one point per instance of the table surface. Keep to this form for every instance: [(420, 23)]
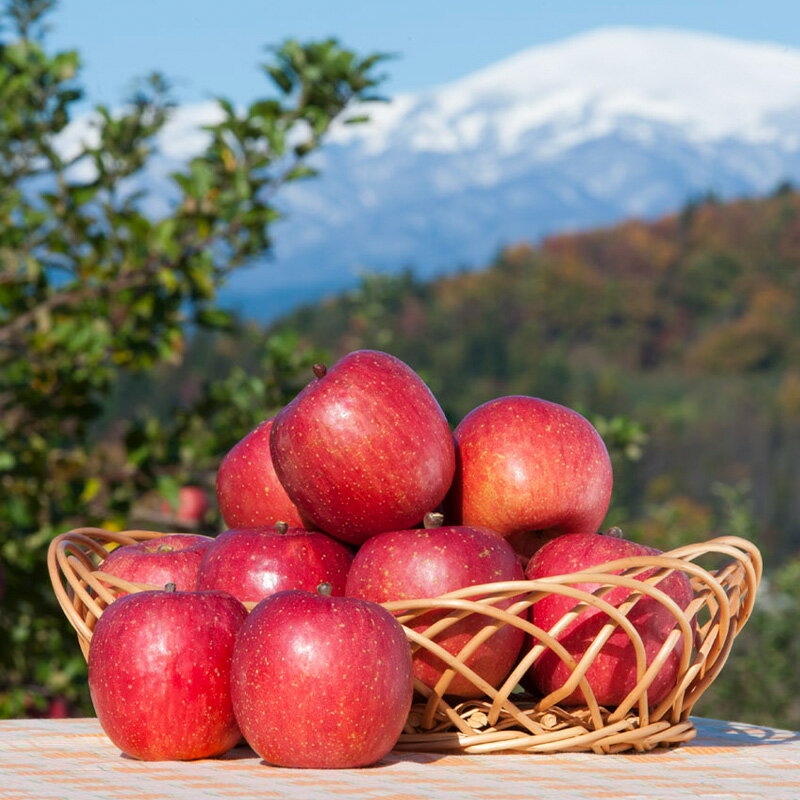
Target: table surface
[(71, 759)]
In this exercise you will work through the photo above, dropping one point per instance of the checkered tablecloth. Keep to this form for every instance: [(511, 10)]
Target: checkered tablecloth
[(73, 760)]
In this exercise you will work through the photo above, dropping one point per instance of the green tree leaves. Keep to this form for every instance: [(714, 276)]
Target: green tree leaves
[(94, 288)]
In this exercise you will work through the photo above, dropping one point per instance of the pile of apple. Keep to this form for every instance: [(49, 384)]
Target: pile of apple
[(331, 507)]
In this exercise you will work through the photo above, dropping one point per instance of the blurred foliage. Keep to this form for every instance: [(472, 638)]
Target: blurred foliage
[(767, 647), (761, 682), (95, 292)]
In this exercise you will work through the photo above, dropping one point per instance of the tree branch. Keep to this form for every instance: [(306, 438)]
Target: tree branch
[(129, 281)]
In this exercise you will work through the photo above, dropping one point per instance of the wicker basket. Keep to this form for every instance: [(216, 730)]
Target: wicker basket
[(504, 719)]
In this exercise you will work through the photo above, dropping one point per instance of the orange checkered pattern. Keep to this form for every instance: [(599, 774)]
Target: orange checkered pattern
[(74, 760)]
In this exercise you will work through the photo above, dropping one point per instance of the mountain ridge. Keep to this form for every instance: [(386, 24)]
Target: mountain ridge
[(605, 125), (604, 58)]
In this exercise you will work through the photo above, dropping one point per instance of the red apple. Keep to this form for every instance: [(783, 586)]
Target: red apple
[(530, 469), (425, 563), (321, 681), (192, 505), (612, 674), (364, 448), (58, 708), (252, 563), (173, 558), (159, 673), (249, 493)]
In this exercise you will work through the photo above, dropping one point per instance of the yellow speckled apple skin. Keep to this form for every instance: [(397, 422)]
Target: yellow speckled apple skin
[(529, 465), (321, 682), (248, 490), (365, 448), (159, 673)]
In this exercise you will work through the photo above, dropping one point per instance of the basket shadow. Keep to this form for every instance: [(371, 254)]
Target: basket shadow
[(722, 733)]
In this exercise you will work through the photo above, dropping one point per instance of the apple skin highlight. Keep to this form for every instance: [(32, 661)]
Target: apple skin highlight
[(364, 448), (159, 673), (531, 470), (174, 558), (321, 682), (253, 563), (249, 493)]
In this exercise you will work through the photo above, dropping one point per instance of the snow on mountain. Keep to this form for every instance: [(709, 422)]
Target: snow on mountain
[(613, 123), (709, 86)]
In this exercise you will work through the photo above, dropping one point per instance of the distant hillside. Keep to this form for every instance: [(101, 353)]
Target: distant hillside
[(689, 325), (608, 124)]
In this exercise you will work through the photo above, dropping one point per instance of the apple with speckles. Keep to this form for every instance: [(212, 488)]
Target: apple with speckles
[(159, 673), (531, 470), (253, 563), (320, 681), (364, 448), (431, 561), (173, 558), (612, 674), (249, 493)]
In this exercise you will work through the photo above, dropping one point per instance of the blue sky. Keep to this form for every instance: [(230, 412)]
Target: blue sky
[(209, 47)]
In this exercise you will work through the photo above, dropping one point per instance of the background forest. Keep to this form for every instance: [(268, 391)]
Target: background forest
[(121, 379)]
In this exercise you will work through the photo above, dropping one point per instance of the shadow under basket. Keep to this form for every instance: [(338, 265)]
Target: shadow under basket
[(506, 719)]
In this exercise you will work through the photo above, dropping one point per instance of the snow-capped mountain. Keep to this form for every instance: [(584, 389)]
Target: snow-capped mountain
[(610, 124)]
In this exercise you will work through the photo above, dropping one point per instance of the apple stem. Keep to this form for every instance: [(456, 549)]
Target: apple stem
[(320, 370), (281, 527), (433, 519), (169, 587), (615, 532), (325, 589)]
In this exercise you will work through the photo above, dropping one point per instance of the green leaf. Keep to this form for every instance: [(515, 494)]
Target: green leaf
[(168, 488), (83, 194), (164, 238), (90, 489), (301, 171), (215, 318), (281, 79)]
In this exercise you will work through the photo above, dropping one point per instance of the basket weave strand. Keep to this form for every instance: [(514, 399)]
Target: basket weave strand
[(505, 719)]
